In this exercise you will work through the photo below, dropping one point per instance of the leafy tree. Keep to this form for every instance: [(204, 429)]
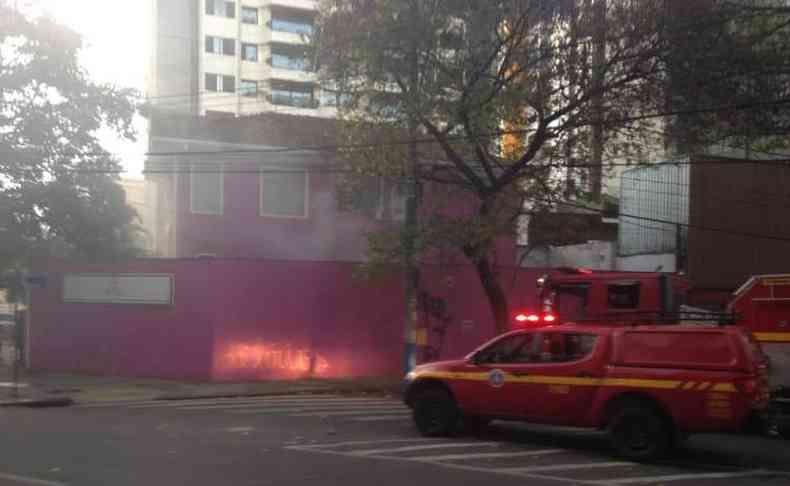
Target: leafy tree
[(739, 59), (454, 73), (58, 192)]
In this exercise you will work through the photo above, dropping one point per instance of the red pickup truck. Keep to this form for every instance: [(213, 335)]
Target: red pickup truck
[(647, 385)]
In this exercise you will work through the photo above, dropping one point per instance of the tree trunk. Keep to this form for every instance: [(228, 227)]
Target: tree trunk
[(497, 298)]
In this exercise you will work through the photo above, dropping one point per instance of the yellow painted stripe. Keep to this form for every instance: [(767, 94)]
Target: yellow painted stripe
[(704, 386), (773, 337), (638, 383), (724, 387), (575, 381)]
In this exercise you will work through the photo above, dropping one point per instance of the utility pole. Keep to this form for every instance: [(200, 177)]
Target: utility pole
[(411, 271), (599, 73)]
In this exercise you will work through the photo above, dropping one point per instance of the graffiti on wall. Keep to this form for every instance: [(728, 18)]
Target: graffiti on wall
[(272, 357)]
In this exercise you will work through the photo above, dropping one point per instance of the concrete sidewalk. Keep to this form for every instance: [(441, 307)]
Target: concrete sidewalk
[(40, 389)]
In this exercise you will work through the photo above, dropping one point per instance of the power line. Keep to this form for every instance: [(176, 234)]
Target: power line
[(745, 234)]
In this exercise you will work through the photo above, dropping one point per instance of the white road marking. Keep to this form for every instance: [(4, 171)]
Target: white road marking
[(304, 405), (218, 400), (28, 480), (349, 413), (231, 402), (383, 418), (330, 413), (314, 447), (452, 445), (491, 455), (565, 467), (686, 477)]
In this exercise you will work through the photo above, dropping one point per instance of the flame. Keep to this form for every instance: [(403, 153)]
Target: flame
[(282, 357)]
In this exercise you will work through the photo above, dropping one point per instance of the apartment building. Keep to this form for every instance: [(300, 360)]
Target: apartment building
[(235, 57)]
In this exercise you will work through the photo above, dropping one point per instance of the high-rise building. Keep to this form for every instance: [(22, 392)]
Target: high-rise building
[(235, 57)]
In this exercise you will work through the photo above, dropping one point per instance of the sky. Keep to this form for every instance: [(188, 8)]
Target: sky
[(115, 33)]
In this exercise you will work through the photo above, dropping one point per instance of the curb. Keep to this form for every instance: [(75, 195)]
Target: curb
[(38, 403)]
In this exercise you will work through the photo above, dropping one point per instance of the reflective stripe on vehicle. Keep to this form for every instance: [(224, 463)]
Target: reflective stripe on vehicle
[(581, 381), (772, 337)]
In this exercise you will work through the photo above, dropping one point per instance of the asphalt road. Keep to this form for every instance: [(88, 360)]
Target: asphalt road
[(353, 441)]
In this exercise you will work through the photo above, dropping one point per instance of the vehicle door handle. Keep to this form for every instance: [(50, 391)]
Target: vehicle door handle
[(585, 374), (520, 373)]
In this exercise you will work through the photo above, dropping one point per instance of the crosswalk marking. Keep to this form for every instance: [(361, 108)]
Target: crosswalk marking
[(293, 405), (360, 443), (439, 453), (374, 452), (348, 413), (492, 455), (382, 418), (565, 467), (241, 402)]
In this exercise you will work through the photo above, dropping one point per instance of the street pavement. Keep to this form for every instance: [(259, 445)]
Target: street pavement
[(338, 439)]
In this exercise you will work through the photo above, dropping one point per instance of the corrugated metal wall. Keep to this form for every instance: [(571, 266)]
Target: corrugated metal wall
[(655, 192)]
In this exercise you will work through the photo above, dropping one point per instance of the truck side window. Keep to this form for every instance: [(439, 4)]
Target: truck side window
[(566, 347), (623, 296), (507, 350)]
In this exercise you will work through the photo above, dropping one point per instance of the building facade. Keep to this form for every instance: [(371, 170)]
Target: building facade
[(228, 57)]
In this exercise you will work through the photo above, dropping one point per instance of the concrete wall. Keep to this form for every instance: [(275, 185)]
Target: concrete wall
[(252, 319), (596, 255), (647, 263)]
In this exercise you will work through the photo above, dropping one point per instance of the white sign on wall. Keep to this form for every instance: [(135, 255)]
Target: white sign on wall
[(120, 288)]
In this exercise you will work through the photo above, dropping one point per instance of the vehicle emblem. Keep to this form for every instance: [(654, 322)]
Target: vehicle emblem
[(496, 378)]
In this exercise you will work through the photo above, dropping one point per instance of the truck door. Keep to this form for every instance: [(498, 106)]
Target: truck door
[(498, 364), (557, 384)]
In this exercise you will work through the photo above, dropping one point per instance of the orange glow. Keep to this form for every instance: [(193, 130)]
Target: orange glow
[(270, 357)]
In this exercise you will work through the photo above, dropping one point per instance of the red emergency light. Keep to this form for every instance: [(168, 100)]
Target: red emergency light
[(533, 318)]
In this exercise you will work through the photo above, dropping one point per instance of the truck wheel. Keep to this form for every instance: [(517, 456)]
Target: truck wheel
[(640, 434), (435, 413)]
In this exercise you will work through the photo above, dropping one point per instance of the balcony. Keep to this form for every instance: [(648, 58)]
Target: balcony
[(308, 5), (281, 37)]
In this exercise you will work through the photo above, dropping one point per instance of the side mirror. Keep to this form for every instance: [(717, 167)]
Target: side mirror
[(477, 359)]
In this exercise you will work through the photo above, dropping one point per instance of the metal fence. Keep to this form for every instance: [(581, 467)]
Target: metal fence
[(654, 208)]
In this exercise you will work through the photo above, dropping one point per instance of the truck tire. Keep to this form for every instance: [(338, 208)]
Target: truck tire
[(435, 413), (639, 433)]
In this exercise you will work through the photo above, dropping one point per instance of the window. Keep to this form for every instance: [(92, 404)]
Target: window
[(297, 96), (249, 52), (248, 88), (513, 349), (623, 295), (206, 184), (220, 45), (284, 194), (285, 58), (556, 347), (221, 7), (220, 83), (249, 15), (294, 26)]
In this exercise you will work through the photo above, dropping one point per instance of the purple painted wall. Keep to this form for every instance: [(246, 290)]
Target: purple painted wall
[(236, 320)]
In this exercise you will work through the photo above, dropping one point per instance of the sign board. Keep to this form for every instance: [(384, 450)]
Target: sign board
[(124, 288)]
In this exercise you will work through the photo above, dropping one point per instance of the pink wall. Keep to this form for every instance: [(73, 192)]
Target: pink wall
[(253, 319), (327, 234)]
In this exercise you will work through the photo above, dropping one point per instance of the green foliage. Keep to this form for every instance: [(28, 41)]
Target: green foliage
[(58, 194)]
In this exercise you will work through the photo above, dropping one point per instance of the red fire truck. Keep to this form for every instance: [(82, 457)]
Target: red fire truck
[(761, 305)]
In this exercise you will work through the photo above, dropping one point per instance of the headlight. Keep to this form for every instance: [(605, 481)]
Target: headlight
[(410, 376)]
